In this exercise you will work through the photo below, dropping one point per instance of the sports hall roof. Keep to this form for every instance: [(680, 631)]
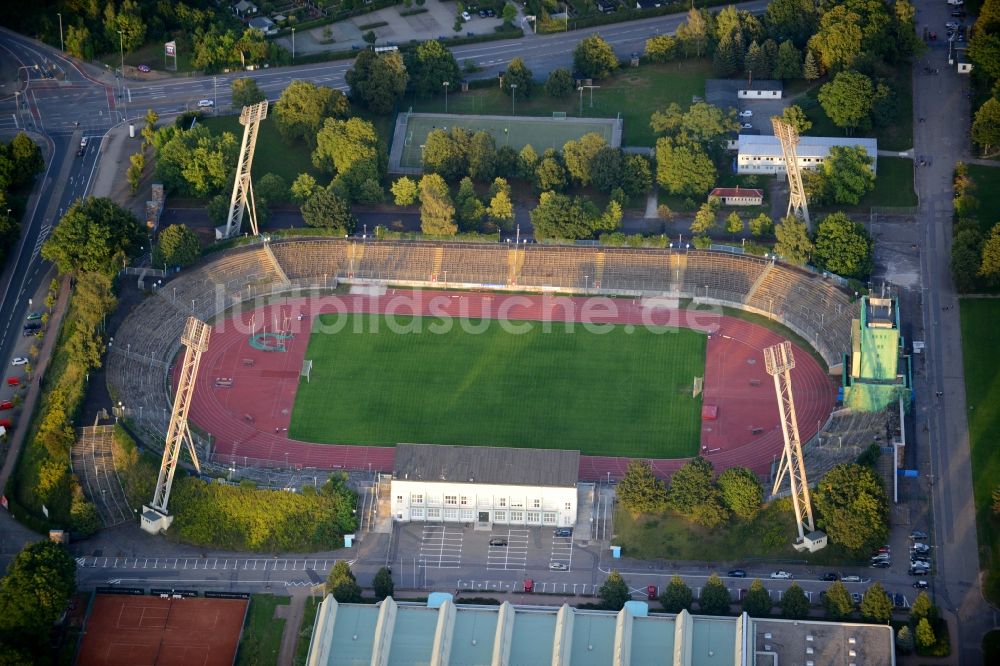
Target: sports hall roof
[(486, 464)]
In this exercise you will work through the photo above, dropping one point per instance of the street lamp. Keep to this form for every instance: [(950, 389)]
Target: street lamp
[(513, 96), (215, 94), (121, 47), (445, 84), (581, 100), (62, 47), (293, 44)]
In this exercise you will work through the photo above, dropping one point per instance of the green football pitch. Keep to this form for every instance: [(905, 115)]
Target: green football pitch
[(623, 392)]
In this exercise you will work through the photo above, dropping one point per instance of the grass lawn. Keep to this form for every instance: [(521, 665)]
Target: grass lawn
[(381, 380), (769, 536), (262, 634), (893, 184), (982, 387), (633, 93), (305, 631), (987, 185)]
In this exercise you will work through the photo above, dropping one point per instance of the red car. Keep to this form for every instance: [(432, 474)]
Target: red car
[(7, 404), (5, 423), (13, 381)]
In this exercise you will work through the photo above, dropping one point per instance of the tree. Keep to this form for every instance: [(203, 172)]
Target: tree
[(791, 20), (594, 58), (838, 602), (517, 74), (757, 602), (676, 596), (370, 37), (559, 216), (852, 506), (325, 209), (26, 157), (246, 92), (177, 246), (788, 64), (838, 43), (606, 169), (986, 126), (810, 70), (482, 157), (794, 603), (509, 14), (429, 66), (579, 156), (272, 187), (714, 598), (468, 206), (793, 244), (349, 149), (550, 174), (848, 174), (989, 268), (342, 584), (797, 118), (405, 191), (847, 100), (925, 634), (734, 223), (728, 57), (35, 592), (614, 592), (661, 48), (560, 83), (95, 235), (79, 43), (683, 169), (966, 258), (302, 188), (922, 608), (904, 639), (527, 160), (741, 491), (756, 61), (437, 212), (984, 52), (704, 219), (382, 583), (876, 605), (693, 494), (640, 491), (378, 80), (302, 108), (447, 152), (636, 177), (762, 225), (884, 105), (501, 208), (843, 247)]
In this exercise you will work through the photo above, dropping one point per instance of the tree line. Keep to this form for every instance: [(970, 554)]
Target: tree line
[(975, 254), (20, 161), (984, 54)]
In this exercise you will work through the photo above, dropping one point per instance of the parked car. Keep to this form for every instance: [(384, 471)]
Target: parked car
[(784, 575), (898, 600), (919, 571), (498, 542), (921, 585), (563, 532), (881, 564), (958, 13), (851, 579), (918, 535), (737, 573), (856, 598), (34, 316), (952, 25), (747, 126), (143, 68), (920, 548), (20, 360), (558, 566), (5, 423), (466, 16), (829, 576), (6, 404), (205, 103), (746, 113), (885, 549)]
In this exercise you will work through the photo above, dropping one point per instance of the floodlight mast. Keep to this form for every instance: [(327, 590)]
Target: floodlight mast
[(789, 137), (779, 361), (195, 339), (250, 118)]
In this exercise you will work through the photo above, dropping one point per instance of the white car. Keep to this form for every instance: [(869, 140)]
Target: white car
[(951, 25), (558, 566), (466, 16), (746, 113), (747, 126), (20, 360), (781, 574), (205, 103)]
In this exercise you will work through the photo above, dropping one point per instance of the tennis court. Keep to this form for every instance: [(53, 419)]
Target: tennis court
[(514, 131)]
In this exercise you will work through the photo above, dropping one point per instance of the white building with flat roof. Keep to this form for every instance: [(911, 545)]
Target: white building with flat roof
[(464, 484), (762, 153)]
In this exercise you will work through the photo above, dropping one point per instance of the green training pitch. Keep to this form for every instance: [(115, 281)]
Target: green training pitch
[(617, 393), (513, 131)]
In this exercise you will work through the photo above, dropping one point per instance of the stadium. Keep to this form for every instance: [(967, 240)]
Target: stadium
[(269, 301)]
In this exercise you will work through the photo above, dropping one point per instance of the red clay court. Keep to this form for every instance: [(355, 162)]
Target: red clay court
[(136, 630), (244, 395)]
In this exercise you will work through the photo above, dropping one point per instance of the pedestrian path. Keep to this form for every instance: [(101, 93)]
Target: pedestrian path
[(206, 563)]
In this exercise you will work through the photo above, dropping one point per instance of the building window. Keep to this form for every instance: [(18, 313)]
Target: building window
[(517, 516), (568, 506), (536, 504), (433, 514), (465, 500), (451, 500), (399, 499), (417, 499), (534, 517), (502, 501), (417, 514), (549, 518), (500, 516), (451, 514), (468, 515)]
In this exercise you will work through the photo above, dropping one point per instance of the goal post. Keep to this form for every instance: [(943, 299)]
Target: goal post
[(699, 384), (307, 366)]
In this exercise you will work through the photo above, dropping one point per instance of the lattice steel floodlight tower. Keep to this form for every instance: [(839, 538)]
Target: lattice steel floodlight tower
[(250, 118), (789, 137), (155, 517), (779, 361)]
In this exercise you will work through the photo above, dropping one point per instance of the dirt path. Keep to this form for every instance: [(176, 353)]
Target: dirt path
[(293, 614)]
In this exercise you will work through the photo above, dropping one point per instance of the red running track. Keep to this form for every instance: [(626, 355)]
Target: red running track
[(250, 418)]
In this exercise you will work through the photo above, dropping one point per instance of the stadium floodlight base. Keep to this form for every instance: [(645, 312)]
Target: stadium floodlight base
[(812, 542), (154, 522)]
